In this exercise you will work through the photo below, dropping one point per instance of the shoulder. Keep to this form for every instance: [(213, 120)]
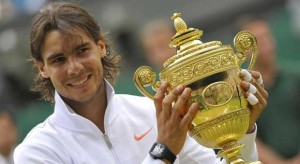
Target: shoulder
[(135, 105), (39, 146), (40, 132), (37, 153), (133, 100)]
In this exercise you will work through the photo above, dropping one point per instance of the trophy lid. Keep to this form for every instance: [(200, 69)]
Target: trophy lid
[(194, 60), (183, 34)]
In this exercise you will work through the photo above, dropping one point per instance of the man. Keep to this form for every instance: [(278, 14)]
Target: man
[(8, 134), (155, 39), (284, 94), (90, 123)]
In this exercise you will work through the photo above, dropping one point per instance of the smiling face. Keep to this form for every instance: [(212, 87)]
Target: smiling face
[(73, 65)]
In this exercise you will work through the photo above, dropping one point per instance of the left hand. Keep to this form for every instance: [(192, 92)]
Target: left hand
[(254, 78), (172, 125)]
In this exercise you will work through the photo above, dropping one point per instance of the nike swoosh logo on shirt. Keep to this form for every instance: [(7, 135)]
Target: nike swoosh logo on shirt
[(138, 138)]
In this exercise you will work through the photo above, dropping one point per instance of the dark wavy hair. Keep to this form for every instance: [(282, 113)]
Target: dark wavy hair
[(66, 18)]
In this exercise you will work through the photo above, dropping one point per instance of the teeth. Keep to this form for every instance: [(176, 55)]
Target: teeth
[(80, 82)]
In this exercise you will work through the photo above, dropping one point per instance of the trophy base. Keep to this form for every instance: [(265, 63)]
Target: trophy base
[(231, 153), (240, 161)]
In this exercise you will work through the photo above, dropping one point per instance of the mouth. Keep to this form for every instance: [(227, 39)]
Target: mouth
[(80, 82)]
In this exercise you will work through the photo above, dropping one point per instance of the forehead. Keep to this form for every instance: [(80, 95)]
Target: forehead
[(59, 42), (163, 36), (257, 27)]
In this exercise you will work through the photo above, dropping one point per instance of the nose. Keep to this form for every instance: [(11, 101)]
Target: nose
[(75, 67)]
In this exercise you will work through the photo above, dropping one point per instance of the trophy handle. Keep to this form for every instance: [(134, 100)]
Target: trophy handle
[(243, 42), (144, 76)]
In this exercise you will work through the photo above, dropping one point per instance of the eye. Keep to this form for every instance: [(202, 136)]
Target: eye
[(58, 60), (82, 50)]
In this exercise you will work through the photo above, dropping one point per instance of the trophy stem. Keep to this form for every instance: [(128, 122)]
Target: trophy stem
[(231, 152)]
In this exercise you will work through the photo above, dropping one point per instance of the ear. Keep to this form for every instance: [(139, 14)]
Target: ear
[(41, 66), (102, 48)]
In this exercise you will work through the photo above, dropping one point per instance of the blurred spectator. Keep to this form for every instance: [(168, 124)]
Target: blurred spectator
[(29, 110), (293, 7), (6, 7), (155, 39), (28, 6), (14, 91), (279, 133), (8, 134)]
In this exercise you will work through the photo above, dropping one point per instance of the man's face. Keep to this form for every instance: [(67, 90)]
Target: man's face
[(8, 134), (73, 64), (265, 41), (157, 48)]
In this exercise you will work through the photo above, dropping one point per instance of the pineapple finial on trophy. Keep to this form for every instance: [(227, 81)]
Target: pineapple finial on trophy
[(179, 24), (183, 33)]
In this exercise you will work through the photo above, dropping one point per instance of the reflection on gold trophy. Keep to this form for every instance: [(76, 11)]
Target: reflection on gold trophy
[(211, 71)]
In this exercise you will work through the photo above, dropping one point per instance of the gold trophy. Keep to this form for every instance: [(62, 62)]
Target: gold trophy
[(211, 71)]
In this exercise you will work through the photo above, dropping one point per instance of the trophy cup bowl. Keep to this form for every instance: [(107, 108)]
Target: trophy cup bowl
[(211, 71)]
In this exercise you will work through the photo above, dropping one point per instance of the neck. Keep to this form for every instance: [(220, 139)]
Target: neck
[(94, 109)]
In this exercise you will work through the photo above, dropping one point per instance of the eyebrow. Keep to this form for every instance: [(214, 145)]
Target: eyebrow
[(81, 45), (55, 55)]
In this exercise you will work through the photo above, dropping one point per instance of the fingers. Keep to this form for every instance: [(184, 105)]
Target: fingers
[(181, 103), (249, 88), (177, 93), (172, 104), (248, 75), (252, 89), (260, 80), (255, 78), (252, 99), (257, 82), (172, 128), (175, 106), (159, 96), (189, 116), (255, 94)]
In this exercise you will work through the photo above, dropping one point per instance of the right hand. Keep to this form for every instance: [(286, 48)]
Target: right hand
[(174, 116)]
